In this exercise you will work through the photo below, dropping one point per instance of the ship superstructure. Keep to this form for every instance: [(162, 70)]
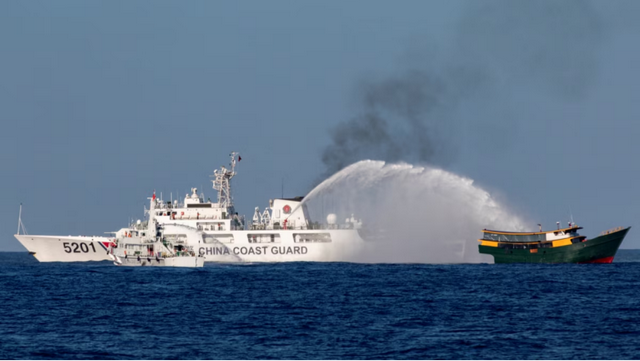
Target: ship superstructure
[(214, 230)]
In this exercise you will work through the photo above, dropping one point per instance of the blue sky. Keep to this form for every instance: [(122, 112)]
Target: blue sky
[(103, 102)]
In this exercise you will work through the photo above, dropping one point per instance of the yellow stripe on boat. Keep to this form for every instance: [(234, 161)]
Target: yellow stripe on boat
[(489, 243), (562, 242)]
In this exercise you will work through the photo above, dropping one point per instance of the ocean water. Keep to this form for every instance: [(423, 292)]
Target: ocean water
[(320, 311)]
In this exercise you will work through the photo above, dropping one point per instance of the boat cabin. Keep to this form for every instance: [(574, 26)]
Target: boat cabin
[(554, 238)]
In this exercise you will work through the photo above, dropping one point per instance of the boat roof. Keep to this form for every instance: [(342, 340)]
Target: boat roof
[(294, 199), (569, 229)]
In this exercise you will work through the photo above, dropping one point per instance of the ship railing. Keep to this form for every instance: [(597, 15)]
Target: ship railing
[(178, 254), (312, 226), (612, 230), (317, 226)]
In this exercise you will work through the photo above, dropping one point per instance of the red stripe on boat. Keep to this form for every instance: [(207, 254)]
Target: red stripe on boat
[(601, 260)]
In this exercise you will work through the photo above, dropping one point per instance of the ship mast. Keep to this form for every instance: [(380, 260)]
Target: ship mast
[(19, 218), (20, 224), (222, 182)]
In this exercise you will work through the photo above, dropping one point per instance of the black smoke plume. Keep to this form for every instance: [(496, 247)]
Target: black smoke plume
[(500, 46)]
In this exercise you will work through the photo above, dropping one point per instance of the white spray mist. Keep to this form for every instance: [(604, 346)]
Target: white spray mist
[(412, 214)]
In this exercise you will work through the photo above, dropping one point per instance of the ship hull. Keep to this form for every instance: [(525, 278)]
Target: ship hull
[(236, 246), (601, 249), (66, 249), (289, 246), (181, 262)]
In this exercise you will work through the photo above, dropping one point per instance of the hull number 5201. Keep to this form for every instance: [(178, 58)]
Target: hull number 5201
[(78, 247)]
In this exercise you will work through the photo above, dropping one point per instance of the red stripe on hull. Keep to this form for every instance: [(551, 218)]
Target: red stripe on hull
[(601, 260)]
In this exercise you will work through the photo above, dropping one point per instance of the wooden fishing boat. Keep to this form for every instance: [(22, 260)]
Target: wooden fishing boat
[(556, 246)]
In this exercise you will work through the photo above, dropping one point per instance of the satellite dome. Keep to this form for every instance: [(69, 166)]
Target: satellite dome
[(331, 218)]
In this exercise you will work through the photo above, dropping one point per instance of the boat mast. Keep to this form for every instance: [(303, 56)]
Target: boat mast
[(19, 219), (20, 224), (222, 182)]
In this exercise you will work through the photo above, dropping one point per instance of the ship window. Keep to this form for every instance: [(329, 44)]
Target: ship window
[(171, 238), (263, 238), (311, 237), (218, 238)]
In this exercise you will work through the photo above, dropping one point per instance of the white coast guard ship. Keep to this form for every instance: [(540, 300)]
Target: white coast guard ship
[(283, 232)]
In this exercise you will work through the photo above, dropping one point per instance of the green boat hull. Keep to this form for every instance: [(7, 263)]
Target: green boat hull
[(601, 249)]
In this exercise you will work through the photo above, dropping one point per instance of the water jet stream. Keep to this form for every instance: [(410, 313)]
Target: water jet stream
[(420, 214)]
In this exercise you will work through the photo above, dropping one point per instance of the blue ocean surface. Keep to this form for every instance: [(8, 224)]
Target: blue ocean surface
[(320, 311)]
